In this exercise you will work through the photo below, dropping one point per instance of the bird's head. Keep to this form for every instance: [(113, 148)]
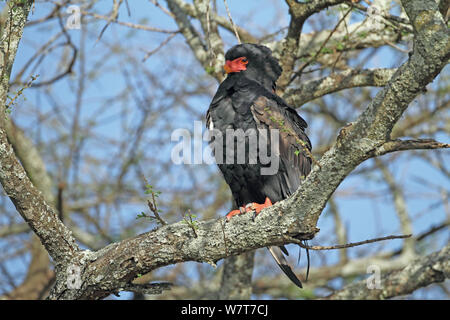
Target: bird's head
[(254, 61)]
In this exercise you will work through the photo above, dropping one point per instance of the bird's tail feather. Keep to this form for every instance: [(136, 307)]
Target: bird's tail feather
[(305, 243), (277, 254)]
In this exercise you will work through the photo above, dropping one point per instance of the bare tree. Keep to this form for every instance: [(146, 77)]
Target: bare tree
[(71, 180)]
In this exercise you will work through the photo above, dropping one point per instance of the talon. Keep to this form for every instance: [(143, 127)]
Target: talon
[(234, 213), (250, 207), (256, 207)]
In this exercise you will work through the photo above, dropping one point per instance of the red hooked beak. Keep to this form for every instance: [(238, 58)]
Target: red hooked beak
[(236, 65)]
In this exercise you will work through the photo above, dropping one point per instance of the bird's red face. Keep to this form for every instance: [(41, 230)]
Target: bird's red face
[(236, 65)]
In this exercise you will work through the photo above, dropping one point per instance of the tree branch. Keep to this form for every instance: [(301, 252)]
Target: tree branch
[(299, 13), (236, 281), (28, 201), (215, 44), (418, 274), (191, 35), (400, 207), (356, 36), (335, 82), (402, 145), (349, 245)]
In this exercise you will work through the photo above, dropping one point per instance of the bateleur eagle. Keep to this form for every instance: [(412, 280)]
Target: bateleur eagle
[(246, 101)]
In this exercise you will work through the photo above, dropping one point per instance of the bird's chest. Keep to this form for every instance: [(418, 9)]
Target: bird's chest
[(232, 114)]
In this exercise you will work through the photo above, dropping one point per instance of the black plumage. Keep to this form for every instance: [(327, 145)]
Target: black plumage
[(246, 101)]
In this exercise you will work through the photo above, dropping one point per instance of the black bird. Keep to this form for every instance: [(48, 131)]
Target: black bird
[(246, 102)]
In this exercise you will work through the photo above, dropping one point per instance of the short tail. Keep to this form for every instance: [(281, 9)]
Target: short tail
[(277, 254)]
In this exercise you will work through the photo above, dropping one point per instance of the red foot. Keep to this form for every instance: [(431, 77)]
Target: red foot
[(250, 207), (233, 213), (258, 207)]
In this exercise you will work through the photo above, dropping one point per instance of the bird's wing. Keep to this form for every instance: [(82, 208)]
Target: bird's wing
[(277, 254), (294, 148), (294, 145)]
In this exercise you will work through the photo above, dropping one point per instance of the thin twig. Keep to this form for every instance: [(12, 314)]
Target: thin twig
[(347, 34), (128, 8), (396, 47), (433, 230), (156, 3), (114, 16), (20, 92), (348, 245), (127, 24), (231, 21), (386, 16), (162, 44), (314, 56), (190, 222), (153, 206), (154, 209)]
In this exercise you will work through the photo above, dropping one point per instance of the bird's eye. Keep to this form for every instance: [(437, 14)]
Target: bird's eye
[(244, 59)]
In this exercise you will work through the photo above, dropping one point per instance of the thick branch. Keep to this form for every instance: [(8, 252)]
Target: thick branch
[(28, 201), (402, 145), (418, 274), (36, 283), (190, 34), (10, 34), (400, 207), (351, 78), (39, 273), (119, 263), (237, 277), (299, 12), (215, 44), (320, 276), (31, 161)]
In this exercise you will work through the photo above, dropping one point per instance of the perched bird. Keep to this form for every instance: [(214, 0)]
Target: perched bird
[(246, 101)]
